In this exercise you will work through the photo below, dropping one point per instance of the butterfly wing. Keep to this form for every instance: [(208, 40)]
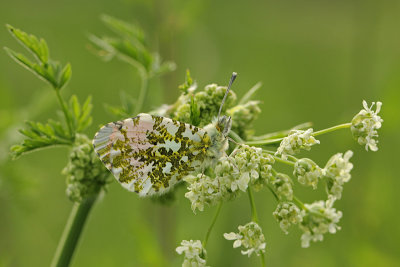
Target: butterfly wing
[(149, 154)]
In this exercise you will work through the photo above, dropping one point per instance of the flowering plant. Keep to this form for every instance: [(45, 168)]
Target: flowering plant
[(252, 162)]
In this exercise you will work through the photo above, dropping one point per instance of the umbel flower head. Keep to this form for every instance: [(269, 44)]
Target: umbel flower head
[(194, 252), (307, 172), (86, 175), (250, 237), (365, 124), (320, 217), (202, 190), (232, 174), (287, 213), (337, 171), (295, 141), (282, 185)]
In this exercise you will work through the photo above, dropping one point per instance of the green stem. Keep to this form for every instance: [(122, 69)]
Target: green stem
[(264, 142), (72, 231), (65, 110), (236, 137), (331, 129), (212, 224), (288, 162), (283, 133), (278, 140), (273, 192), (254, 217), (299, 203)]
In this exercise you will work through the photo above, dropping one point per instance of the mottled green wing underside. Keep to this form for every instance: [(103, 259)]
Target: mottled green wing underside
[(149, 154)]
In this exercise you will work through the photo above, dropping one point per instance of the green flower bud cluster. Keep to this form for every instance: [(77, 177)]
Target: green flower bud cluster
[(86, 175), (243, 116), (365, 124), (287, 213), (207, 102), (250, 237), (195, 254)]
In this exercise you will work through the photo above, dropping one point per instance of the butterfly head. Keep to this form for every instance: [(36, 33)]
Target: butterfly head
[(224, 125)]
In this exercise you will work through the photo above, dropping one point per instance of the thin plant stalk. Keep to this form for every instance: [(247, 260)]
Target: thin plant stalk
[(254, 217), (72, 232), (212, 224)]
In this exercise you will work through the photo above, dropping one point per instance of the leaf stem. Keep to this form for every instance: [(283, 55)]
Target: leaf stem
[(212, 224), (65, 110), (72, 231)]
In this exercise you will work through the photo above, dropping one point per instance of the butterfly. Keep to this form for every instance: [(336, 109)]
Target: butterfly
[(149, 154)]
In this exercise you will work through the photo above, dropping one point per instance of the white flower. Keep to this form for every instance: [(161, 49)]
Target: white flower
[(202, 190), (250, 237), (194, 253), (246, 165), (320, 218), (307, 172), (337, 170), (365, 124), (287, 213), (296, 140), (282, 185)]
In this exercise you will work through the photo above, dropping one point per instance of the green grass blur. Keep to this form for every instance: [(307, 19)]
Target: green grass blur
[(317, 60)]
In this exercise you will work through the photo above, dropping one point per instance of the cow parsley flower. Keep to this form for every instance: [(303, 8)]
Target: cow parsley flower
[(365, 124), (337, 171), (296, 140), (232, 174), (307, 172), (320, 218), (287, 213), (282, 185), (250, 237), (195, 254), (202, 190), (251, 163)]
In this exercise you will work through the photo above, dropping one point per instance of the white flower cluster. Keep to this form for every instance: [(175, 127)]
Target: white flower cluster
[(202, 190), (296, 140), (251, 165), (282, 185), (308, 172), (365, 124), (247, 165), (250, 237), (337, 171), (194, 253), (287, 213), (320, 218)]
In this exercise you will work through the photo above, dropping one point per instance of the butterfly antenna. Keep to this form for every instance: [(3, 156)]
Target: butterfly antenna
[(227, 92)]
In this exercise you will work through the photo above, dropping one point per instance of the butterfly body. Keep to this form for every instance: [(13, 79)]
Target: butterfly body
[(149, 154)]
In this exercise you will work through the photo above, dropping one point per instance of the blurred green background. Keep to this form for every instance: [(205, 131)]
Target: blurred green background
[(317, 60)]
